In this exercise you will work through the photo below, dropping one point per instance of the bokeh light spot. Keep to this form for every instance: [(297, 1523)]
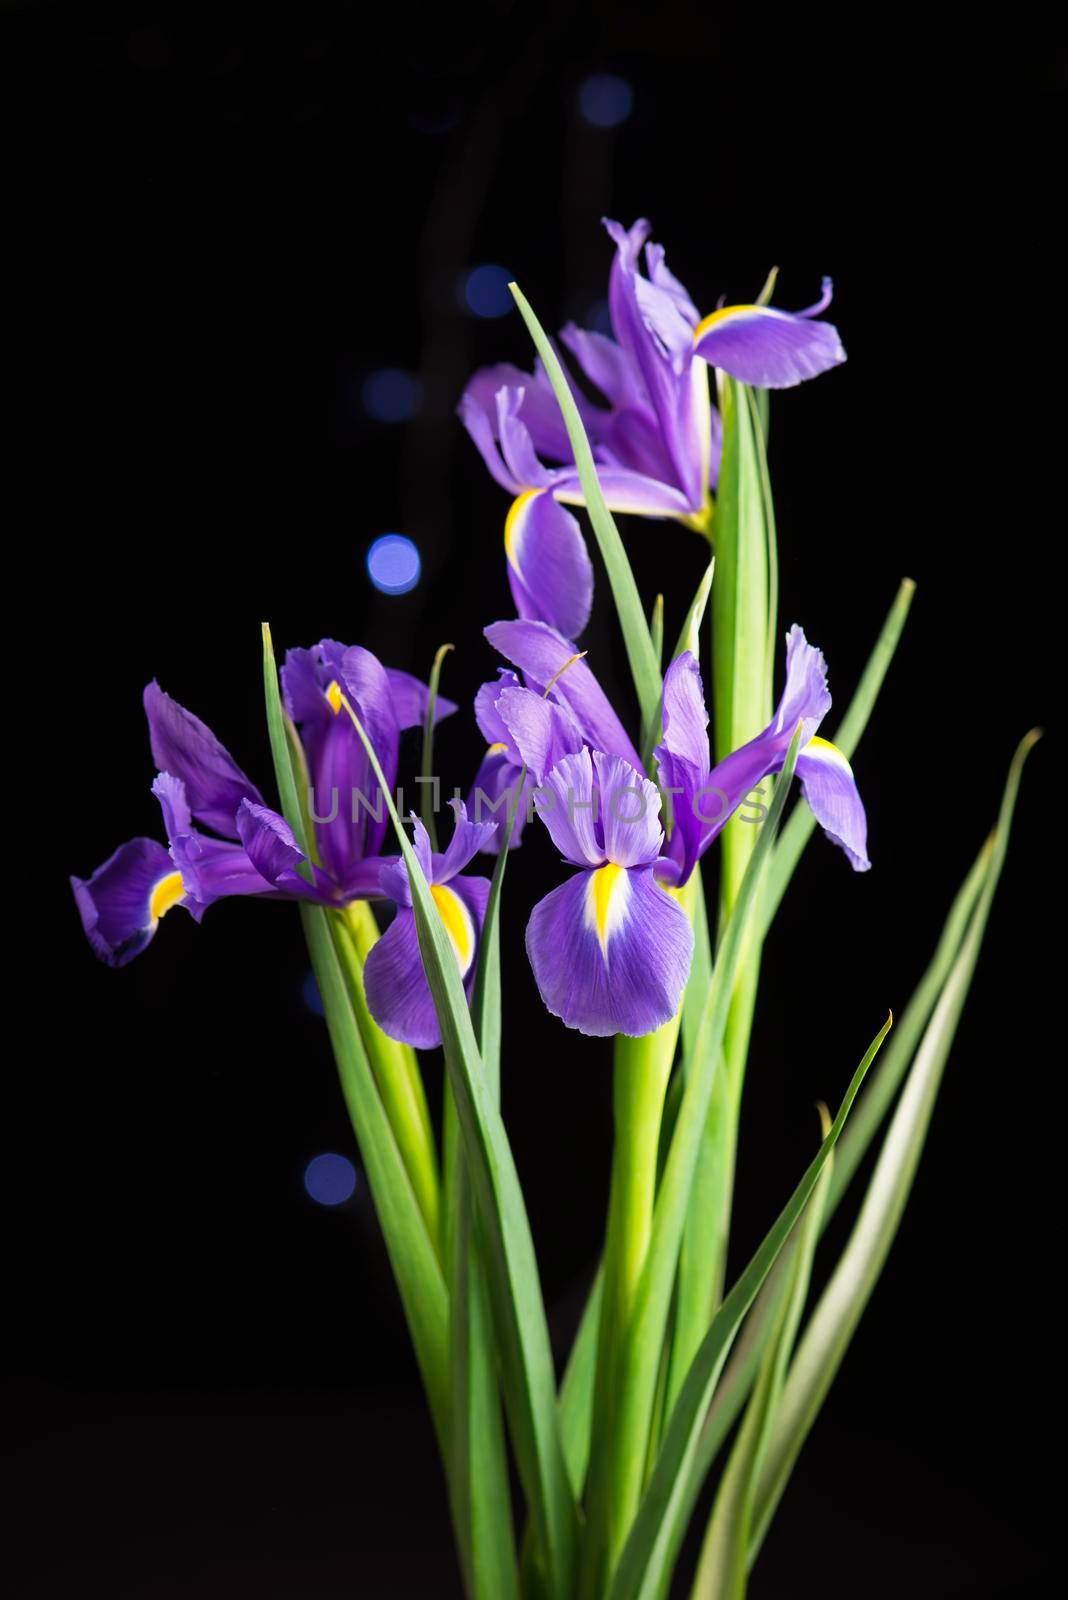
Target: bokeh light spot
[(393, 564), (606, 100), (391, 395), (330, 1179), (485, 292)]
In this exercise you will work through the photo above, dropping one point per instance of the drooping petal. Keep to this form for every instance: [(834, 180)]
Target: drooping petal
[(541, 730), (395, 982), (549, 567), (544, 655), (122, 903), (629, 812), (831, 791), (185, 746), (411, 697), (517, 447), (568, 804), (611, 951), (768, 348)]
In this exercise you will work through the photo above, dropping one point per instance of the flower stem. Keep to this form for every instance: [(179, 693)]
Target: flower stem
[(395, 1068)]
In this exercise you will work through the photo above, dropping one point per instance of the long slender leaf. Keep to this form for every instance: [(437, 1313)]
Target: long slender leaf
[(640, 1569), (723, 1564), (636, 637), (834, 1321), (478, 1455), (863, 1124), (515, 1292)]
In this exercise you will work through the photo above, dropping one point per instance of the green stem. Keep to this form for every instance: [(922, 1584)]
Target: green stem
[(396, 1071), (641, 1071)]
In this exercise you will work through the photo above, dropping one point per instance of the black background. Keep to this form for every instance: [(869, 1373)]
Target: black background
[(230, 216)]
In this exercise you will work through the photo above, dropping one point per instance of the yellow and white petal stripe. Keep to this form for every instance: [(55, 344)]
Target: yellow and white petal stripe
[(458, 925), (823, 750), (607, 899)]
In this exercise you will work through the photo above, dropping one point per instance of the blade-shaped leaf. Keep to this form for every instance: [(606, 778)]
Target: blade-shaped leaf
[(640, 1569), (723, 1564), (511, 1267), (478, 1455), (644, 667), (834, 1321)]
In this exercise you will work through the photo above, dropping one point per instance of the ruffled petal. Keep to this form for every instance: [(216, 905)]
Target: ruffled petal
[(541, 731), (567, 802), (468, 838), (611, 951), (629, 812)]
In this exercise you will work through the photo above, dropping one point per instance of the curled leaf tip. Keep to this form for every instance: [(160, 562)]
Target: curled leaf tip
[(825, 1118), (908, 586)]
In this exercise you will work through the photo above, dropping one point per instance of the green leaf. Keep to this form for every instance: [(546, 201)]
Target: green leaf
[(863, 1124), (640, 1570), (427, 785), (656, 631), (640, 1353), (411, 1249), (482, 1508), (636, 637), (798, 829), (515, 1292), (842, 1304), (723, 1563)]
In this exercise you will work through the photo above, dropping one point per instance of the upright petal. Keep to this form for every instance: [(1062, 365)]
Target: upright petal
[(543, 655), (568, 803), (122, 903), (768, 348), (480, 423), (211, 869), (806, 697), (685, 716), (487, 715), (185, 746), (611, 951), (468, 838), (630, 812), (549, 567), (541, 730), (493, 797), (831, 791)]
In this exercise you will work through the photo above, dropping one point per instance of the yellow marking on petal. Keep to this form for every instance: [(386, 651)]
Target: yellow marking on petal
[(165, 894), (511, 524), (828, 751), (333, 694), (604, 903), (497, 749), (457, 919), (714, 318)]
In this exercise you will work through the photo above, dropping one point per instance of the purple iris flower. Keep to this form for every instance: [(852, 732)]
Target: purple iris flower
[(398, 994), (611, 947), (705, 797), (557, 709), (654, 433), (249, 849)]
